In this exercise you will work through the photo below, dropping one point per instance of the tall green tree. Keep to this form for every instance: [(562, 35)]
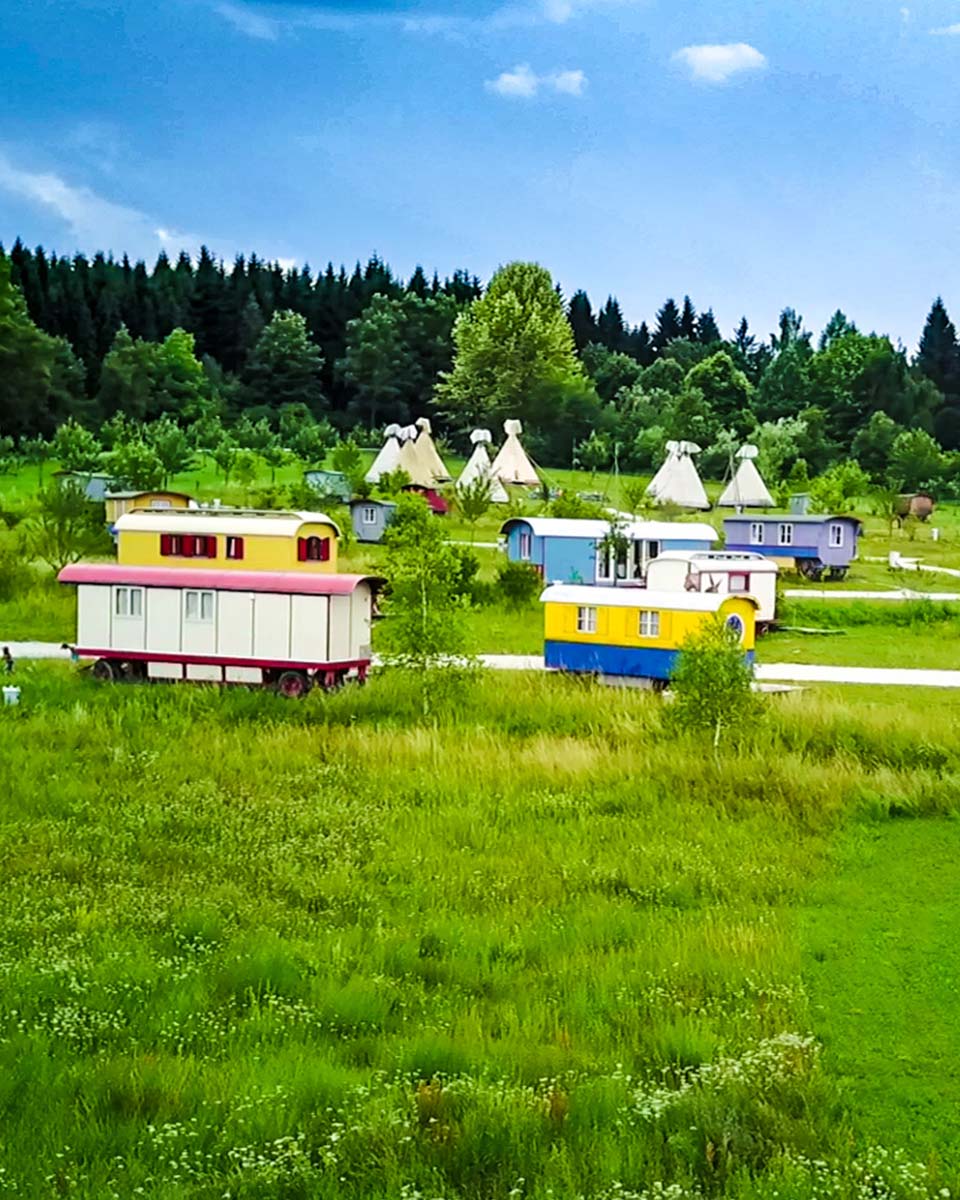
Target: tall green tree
[(512, 343), (726, 390), (688, 320), (668, 325), (378, 364), (285, 366), (582, 321)]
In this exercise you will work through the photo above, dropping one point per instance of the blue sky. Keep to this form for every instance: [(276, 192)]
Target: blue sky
[(750, 152)]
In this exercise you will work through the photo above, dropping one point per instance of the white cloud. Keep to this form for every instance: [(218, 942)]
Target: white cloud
[(570, 83), (248, 21), (718, 64), (94, 222), (524, 83), (521, 81), (947, 31)]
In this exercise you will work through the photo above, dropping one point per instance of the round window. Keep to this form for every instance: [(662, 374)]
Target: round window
[(736, 626)]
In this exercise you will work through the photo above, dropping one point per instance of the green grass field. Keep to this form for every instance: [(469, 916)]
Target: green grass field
[(539, 947)]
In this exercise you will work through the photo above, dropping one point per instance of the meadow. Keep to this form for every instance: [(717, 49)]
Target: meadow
[(541, 947)]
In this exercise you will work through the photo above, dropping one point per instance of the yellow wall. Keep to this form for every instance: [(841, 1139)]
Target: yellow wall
[(124, 504), (136, 548), (620, 626)]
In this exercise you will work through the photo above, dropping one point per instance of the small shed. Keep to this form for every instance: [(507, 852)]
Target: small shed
[(118, 502), (570, 550), (812, 544), (95, 484), (329, 483), (370, 518)]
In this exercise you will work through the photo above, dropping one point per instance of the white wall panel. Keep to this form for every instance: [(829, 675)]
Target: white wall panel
[(271, 626), (199, 636), (308, 629), (361, 621), (163, 620), (339, 628), (235, 624), (93, 616)]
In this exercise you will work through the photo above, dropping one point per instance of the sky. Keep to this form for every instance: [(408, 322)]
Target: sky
[(751, 153)]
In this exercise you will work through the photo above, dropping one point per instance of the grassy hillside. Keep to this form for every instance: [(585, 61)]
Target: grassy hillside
[(540, 948)]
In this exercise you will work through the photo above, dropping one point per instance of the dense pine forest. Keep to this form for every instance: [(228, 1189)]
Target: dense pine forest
[(96, 342)]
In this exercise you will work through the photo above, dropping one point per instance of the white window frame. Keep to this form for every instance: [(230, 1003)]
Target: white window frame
[(128, 602), (756, 533), (203, 603), (368, 514), (836, 535), (525, 545), (586, 619), (785, 533), (648, 623), (738, 575)]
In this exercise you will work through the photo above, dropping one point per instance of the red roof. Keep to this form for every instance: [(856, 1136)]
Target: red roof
[(301, 583)]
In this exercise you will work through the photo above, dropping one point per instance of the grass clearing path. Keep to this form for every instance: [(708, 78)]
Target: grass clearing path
[(882, 962)]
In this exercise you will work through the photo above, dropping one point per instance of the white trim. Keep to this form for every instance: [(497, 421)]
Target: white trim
[(756, 533), (586, 618), (650, 618), (785, 533), (203, 603), (836, 535)]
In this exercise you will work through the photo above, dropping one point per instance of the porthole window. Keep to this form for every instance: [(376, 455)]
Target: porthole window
[(736, 626)]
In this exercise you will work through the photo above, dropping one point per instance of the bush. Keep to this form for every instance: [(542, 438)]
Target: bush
[(15, 577), (712, 682), (519, 584), (466, 566)]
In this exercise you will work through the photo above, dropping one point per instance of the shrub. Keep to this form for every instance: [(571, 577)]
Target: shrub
[(712, 683), (519, 584)]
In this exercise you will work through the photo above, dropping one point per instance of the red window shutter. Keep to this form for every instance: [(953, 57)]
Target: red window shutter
[(211, 547), (238, 547), (187, 547), (302, 549), (166, 544), (324, 549)]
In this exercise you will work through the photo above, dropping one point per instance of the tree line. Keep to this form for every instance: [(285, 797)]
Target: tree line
[(96, 342)]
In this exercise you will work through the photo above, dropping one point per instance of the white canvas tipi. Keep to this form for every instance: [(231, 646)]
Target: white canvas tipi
[(388, 458), (478, 467), (433, 464), (512, 465), (746, 489), (410, 461), (677, 481)]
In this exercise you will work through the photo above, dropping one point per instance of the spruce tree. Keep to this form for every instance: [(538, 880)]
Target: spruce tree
[(688, 320), (285, 366), (668, 326), (708, 331), (610, 328), (939, 357), (581, 318)]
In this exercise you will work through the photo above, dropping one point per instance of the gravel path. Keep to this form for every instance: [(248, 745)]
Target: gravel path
[(765, 672)]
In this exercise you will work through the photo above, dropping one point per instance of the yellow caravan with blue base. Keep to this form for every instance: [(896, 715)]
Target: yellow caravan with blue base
[(634, 632), (228, 538)]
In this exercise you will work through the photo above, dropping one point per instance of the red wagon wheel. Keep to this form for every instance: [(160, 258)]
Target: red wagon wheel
[(293, 684)]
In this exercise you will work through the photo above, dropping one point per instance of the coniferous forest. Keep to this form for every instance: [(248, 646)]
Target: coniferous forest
[(95, 341)]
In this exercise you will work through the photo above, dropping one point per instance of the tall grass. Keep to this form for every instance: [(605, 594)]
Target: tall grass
[(537, 947)]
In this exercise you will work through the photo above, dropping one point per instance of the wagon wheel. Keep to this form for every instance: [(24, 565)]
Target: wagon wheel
[(133, 672), (293, 684), (105, 670), (333, 681), (838, 572)]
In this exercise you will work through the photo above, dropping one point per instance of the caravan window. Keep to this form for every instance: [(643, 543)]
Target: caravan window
[(129, 602), (649, 625), (785, 535), (836, 535), (756, 533), (234, 547), (526, 546), (313, 549), (586, 620), (369, 515), (739, 583), (198, 606)]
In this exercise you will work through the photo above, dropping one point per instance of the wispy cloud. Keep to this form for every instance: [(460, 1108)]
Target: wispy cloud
[(720, 63), (93, 221), (524, 83), (947, 31), (266, 22), (248, 21)]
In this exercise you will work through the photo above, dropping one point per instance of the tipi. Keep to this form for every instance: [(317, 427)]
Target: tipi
[(478, 467), (410, 460), (746, 489), (427, 453), (512, 465), (677, 481), (388, 458)]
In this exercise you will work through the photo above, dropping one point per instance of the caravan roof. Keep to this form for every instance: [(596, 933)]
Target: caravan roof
[(594, 597)]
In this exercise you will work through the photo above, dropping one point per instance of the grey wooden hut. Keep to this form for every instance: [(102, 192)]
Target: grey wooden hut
[(329, 483), (370, 518)]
